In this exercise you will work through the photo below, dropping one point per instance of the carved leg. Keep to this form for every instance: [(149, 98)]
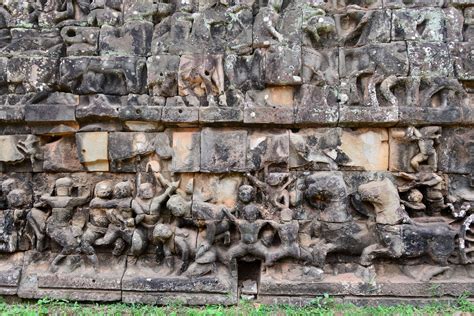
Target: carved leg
[(370, 252), (320, 251), (110, 236)]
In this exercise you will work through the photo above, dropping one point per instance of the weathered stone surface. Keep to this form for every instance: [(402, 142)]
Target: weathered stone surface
[(208, 151), (267, 149), (107, 75), (80, 41), (462, 57), (61, 155), (186, 151), (223, 150), (31, 74), (93, 150), (131, 39), (272, 105), (162, 76), (429, 59), (456, 154), (420, 24), (130, 152)]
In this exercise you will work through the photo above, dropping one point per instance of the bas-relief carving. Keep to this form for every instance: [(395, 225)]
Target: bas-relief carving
[(293, 167)]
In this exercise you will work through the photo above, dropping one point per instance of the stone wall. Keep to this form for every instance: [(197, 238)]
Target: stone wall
[(209, 150)]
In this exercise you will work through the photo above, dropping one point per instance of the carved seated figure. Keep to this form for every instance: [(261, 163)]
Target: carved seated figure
[(274, 189), (120, 217), (60, 226), (98, 222)]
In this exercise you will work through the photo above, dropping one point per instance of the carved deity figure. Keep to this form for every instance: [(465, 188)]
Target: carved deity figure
[(249, 227), (60, 225), (264, 28), (434, 187), (30, 148), (98, 221), (427, 138), (174, 241), (12, 220), (147, 208), (120, 216), (287, 230), (274, 189)]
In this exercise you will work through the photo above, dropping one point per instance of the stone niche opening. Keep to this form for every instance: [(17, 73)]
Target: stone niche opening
[(248, 271)]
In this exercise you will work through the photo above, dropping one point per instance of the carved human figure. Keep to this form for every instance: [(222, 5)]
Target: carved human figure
[(55, 11), (98, 221), (120, 217), (316, 23), (434, 187), (427, 138), (264, 27), (60, 225), (36, 220), (174, 241), (174, 31), (249, 227), (30, 148), (274, 189), (287, 230), (147, 208), (7, 186), (12, 220)]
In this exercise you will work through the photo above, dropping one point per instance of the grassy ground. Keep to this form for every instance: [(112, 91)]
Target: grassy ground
[(320, 306)]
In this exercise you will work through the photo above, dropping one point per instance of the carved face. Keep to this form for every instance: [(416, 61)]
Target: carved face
[(250, 213), (103, 189), (64, 186), (146, 191), (415, 196), (246, 193), (122, 190), (17, 198), (274, 179), (8, 185)]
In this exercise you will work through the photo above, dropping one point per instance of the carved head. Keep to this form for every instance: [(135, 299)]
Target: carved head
[(250, 213), (276, 178), (415, 196), (162, 232), (122, 190), (140, 143), (177, 205), (64, 186), (17, 198), (8, 185), (146, 191), (189, 189), (383, 195), (246, 193), (103, 189)]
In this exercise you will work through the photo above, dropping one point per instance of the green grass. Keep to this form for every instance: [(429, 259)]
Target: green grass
[(319, 306)]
